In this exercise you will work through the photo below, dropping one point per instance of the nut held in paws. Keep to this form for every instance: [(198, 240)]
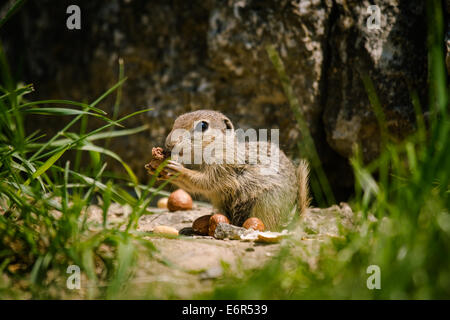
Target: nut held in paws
[(158, 157), (214, 221), (179, 200)]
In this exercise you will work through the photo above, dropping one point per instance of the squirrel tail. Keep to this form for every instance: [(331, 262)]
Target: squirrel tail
[(303, 199)]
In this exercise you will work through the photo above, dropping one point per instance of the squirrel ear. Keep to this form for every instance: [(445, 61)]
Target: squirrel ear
[(228, 124)]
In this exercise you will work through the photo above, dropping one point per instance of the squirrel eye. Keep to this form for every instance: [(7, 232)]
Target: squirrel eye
[(202, 126)]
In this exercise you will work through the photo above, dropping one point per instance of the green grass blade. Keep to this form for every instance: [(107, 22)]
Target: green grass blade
[(14, 8), (108, 92), (94, 137), (47, 164), (68, 102), (307, 146), (91, 147)]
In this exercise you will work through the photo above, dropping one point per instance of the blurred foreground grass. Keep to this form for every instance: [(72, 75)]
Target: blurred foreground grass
[(44, 200)]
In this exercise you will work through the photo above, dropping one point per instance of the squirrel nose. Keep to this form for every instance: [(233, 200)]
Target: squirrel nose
[(169, 146), (169, 143)]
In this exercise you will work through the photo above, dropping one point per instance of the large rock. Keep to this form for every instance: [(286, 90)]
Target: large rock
[(393, 57), (180, 56)]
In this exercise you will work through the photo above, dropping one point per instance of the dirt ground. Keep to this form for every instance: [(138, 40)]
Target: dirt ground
[(187, 265)]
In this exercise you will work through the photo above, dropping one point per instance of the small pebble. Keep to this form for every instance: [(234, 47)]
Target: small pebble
[(166, 230), (187, 231), (162, 203)]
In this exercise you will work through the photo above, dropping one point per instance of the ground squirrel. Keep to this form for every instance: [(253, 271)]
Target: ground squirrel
[(238, 189)]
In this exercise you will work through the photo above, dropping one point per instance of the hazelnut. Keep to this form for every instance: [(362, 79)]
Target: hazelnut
[(201, 225), (162, 203), (254, 223), (179, 200), (214, 221), (165, 230)]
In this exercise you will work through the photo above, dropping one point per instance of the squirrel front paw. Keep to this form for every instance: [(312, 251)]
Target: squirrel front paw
[(162, 175), (165, 172), (174, 167)]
